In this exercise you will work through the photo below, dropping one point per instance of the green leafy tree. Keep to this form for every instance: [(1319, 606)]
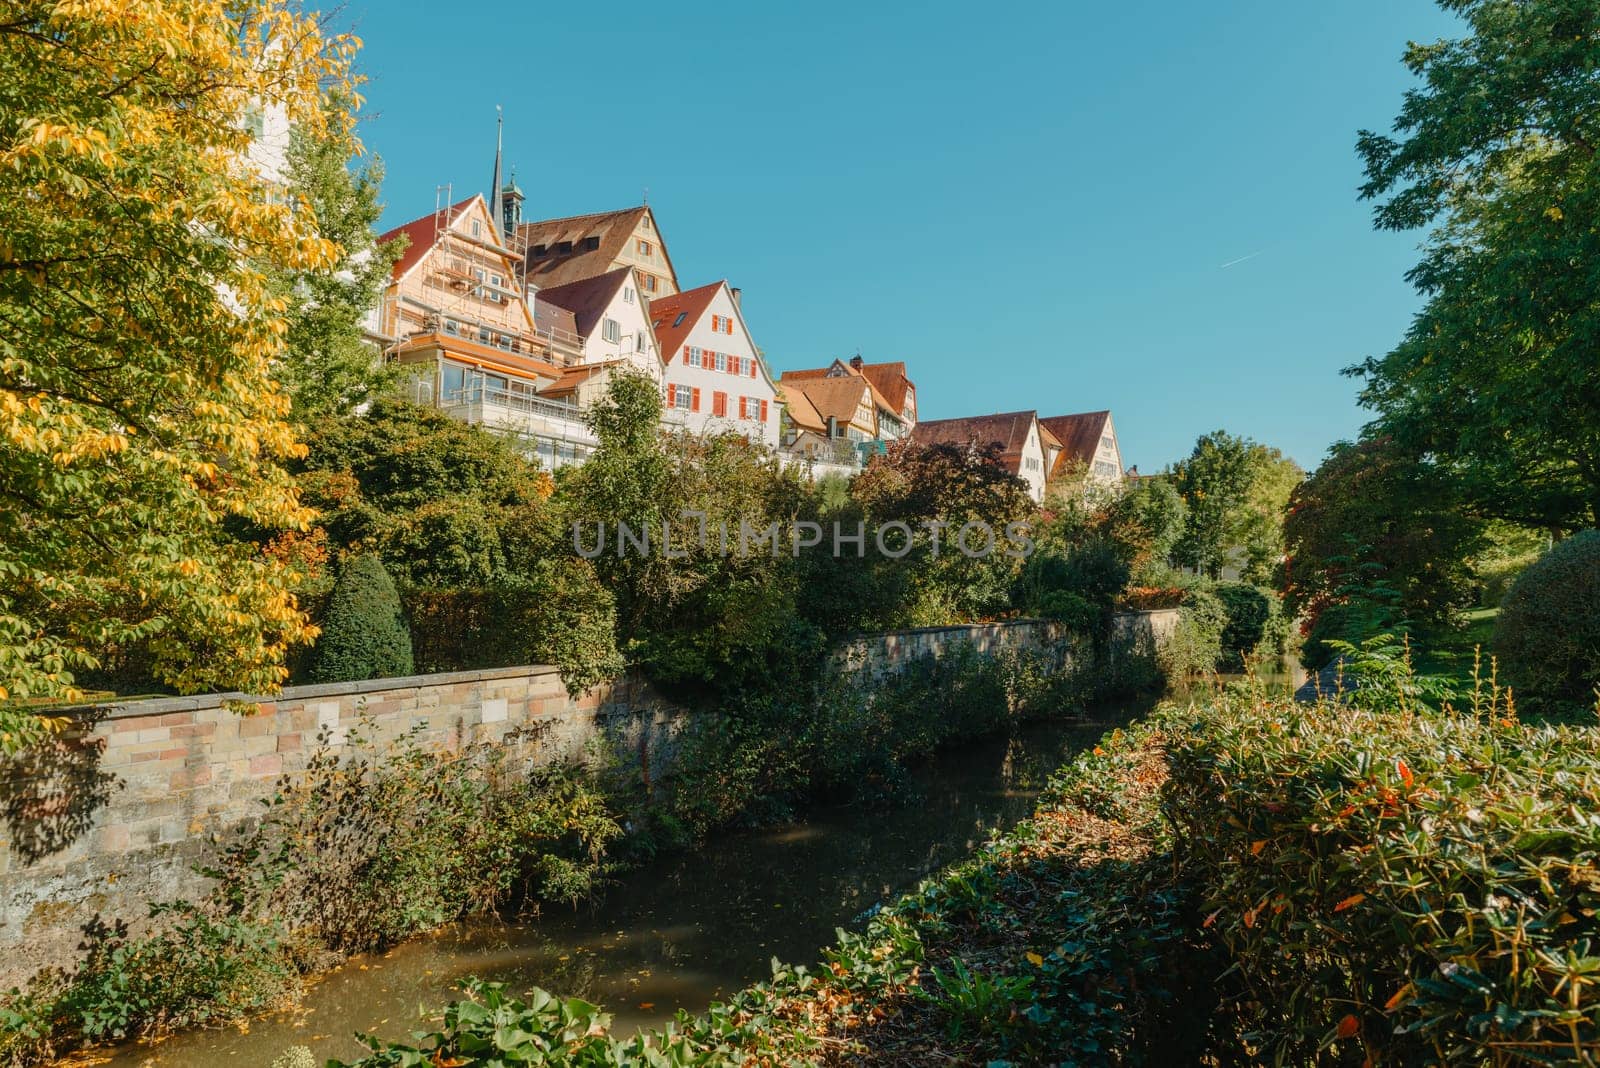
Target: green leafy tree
[(138, 332), (364, 633), (435, 498), (1215, 481), (954, 485), (1375, 511), (328, 366), (1496, 151)]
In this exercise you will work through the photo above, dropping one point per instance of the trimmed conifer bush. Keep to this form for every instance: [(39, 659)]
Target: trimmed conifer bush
[(364, 633), (1547, 638)]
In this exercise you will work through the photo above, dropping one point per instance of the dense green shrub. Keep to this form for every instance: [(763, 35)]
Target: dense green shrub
[(1395, 884), (853, 737), (1254, 626), (557, 614), (1195, 646), (367, 848), (364, 633), (1547, 637)]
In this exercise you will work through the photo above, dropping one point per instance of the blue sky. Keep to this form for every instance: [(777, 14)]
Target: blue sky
[(1034, 205)]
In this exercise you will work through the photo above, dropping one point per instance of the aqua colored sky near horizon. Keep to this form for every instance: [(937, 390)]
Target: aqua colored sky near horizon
[(1149, 206)]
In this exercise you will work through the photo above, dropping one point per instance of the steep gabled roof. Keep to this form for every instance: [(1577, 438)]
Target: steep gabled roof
[(424, 232), (802, 413), (892, 373), (1008, 431), (831, 397), (674, 316), (1080, 435), (588, 298), (890, 380), (611, 230)]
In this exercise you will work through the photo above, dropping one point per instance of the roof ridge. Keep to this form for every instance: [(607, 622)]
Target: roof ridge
[(584, 215)]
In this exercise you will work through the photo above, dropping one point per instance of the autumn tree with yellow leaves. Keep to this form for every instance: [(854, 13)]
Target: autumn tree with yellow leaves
[(139, 420)]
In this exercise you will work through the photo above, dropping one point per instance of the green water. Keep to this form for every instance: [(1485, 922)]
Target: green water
[(680, 932)]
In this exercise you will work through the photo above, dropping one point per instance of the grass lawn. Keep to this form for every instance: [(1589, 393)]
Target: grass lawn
[(1450, 652)]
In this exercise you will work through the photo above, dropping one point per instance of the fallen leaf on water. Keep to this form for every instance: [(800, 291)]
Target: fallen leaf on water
[(1350, 902), (1034, 959), (647, 1005)]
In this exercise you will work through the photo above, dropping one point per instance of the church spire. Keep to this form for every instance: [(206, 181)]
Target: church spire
[(496, 207)]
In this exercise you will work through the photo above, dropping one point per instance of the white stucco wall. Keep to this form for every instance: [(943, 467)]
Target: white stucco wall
[(711, 381)]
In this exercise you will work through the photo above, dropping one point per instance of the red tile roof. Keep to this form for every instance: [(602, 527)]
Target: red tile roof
[(802, 413), (1007, 431), (835, 397), (611, 231), (1079, 434), (588, 298), (676, 315), (890, 380), (422, 233)]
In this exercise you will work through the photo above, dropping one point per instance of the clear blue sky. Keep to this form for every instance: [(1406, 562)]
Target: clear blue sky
[(1031, 204)]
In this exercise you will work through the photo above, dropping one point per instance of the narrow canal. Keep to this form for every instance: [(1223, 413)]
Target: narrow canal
[(678, 933)]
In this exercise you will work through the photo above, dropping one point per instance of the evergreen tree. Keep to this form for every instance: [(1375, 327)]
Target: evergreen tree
[(364, 635)]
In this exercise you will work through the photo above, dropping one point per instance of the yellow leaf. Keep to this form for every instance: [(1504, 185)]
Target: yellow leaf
[(1034, 959)]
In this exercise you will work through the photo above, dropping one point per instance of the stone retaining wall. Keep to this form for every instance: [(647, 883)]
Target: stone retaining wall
[(114, 813)]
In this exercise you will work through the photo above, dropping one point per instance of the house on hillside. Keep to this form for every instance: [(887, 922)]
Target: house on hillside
[(715, 379), (1025, 449), (610, 316), (841, 411), (1088, 444), (894, 395), (562, 251), (454, 315)]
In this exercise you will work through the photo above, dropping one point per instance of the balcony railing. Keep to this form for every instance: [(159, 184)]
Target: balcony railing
[(485, 393)]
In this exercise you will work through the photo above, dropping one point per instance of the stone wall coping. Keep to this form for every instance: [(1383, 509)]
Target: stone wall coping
[(155, 706)]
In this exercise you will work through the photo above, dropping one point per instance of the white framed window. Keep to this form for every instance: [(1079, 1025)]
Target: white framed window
[(627, 294), (722, 361), (495, 281), (611, 330), (644, 248), (638, 341), (693, 359), (650, 283), (682, 397), (477, 228)]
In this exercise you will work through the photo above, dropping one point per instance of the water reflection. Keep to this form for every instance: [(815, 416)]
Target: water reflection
[(680, 932)]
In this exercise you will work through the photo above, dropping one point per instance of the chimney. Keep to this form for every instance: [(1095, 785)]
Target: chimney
[(733, 291), (856, 361)]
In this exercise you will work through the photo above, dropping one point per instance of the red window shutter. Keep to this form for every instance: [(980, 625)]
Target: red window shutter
[(694, 399), (763, 411), (752, 367)]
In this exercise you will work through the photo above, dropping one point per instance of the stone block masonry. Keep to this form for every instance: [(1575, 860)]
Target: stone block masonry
[(114, 813)]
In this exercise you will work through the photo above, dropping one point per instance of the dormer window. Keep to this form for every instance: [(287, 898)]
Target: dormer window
[(590, 244), (564, 247)]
